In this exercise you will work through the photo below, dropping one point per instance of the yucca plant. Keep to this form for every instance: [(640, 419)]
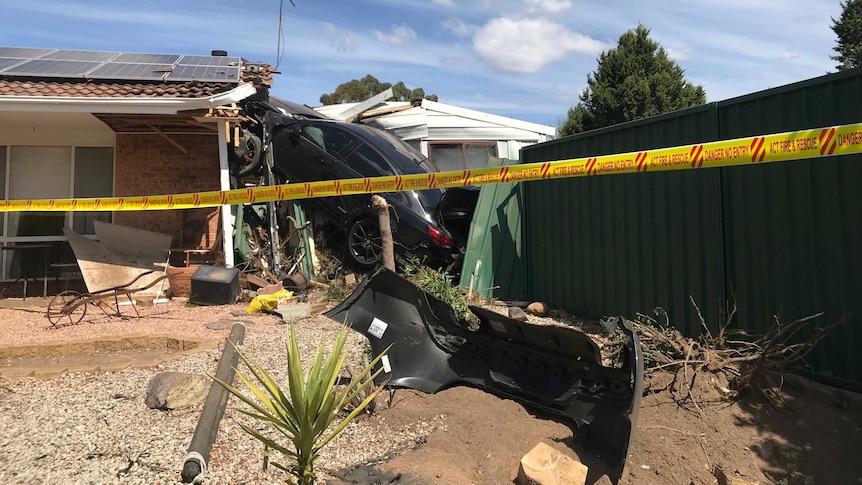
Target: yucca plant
[(304, 414)]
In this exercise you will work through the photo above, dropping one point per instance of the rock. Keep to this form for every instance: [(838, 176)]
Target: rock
[(739, 481), (174, 390), (517, 314), (350, 279), (544, 465), (538, 308)]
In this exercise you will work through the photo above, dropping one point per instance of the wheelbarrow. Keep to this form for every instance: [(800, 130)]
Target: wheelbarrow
[(70, 307)]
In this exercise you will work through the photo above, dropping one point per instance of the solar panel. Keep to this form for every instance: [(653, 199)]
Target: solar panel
[(209, 61), (67, 63), (40, 67), (23, 52), (70, 55), (166, 59), (7, 62), (203, 73), (121, 70)]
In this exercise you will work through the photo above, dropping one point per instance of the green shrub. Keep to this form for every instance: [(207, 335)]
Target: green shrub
[(438, 284), (304, 414)]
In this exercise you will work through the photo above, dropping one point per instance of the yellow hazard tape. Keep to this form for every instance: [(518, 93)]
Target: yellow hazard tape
[(821, 142)]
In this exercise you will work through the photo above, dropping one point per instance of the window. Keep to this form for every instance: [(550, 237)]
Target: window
[(50, 172), (94, 177), (462, 155), (38, 173), (332, 139), (368, 162)]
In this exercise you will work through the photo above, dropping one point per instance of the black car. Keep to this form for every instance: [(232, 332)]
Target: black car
[(306, 149)]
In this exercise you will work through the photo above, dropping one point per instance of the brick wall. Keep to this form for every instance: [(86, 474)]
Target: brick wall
[(150, 165)]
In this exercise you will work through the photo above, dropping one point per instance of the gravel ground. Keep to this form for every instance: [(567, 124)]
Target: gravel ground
[(95, 428)]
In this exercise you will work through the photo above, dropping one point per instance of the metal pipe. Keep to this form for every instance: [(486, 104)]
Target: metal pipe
[(198, 455)]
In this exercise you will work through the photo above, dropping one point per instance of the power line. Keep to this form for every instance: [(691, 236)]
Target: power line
[(279, 50)]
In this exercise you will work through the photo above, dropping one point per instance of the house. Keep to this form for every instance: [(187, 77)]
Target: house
[(99, 124), (454, 138)]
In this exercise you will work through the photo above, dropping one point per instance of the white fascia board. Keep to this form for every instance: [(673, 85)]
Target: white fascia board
[(487, 117), (498, 133), (122, 105)]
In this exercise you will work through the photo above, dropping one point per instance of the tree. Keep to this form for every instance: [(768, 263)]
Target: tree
[(848, 28), (632, 81), (357, 90)]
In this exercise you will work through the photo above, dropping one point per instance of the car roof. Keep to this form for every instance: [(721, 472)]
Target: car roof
[(290, 108)]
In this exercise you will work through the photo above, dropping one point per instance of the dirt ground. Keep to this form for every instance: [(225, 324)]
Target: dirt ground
[(813, 438)]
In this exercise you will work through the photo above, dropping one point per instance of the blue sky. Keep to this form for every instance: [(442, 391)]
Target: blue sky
[(527, 59)]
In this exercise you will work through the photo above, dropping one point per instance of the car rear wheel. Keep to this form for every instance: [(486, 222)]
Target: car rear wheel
[(364, 244)]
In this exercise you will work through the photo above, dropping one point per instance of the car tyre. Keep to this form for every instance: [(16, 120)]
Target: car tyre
[(249, 155), (364, 244)]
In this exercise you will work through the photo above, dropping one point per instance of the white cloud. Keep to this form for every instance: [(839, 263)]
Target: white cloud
[(678, 54), (527, 45), (452, 62), (342, 41), (444, 3), (457, 27), (552, 7), (789, 55), (399, 35)]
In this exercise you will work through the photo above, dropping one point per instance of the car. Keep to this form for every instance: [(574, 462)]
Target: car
[(307, 149)]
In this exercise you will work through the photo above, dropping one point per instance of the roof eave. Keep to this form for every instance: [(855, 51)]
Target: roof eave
[(489, 118), (70, 104)]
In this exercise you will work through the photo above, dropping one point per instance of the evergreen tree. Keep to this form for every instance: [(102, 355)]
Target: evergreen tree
[(632, 81), (357, 90), (848, 28)]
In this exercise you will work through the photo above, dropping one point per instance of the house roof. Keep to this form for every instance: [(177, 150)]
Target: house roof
[(101, 88), (72, 73), (129, 92)]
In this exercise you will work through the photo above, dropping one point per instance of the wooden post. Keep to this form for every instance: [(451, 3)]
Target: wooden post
[(382, 207)]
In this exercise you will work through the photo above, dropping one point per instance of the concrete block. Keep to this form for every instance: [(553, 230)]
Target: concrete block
[(157, 342), (293, 312), (135, 342), (83, 347), (109, 345)]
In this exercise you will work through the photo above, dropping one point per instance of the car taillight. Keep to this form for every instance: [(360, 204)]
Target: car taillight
[(439, 238)]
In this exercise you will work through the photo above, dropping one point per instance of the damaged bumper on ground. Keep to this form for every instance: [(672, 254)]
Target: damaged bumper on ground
[(557, 369)]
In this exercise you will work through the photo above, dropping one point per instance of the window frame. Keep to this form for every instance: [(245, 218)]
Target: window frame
[(68, 216), (463, 145)]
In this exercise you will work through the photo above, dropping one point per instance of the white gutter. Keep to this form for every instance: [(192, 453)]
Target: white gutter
[(69, 104)]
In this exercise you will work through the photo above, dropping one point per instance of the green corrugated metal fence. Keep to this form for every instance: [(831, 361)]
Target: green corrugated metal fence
[(781, 239), (494, 251)]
